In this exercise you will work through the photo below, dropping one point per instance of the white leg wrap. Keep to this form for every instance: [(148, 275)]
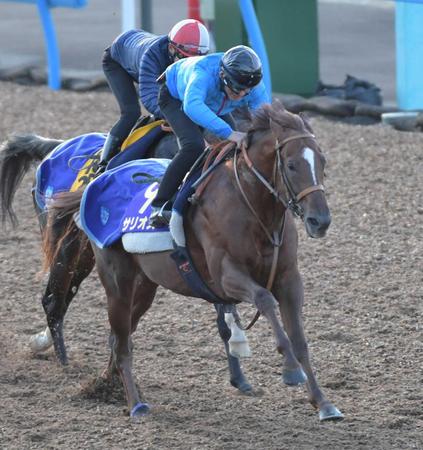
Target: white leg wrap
[(238, 344), (41, 341)]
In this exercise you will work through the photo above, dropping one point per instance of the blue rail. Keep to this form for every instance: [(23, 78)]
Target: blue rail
[(256, 38), (409, 48), (52, 49)]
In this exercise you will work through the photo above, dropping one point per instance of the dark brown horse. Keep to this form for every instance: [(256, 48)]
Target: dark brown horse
[(239, 232), (74, 258)]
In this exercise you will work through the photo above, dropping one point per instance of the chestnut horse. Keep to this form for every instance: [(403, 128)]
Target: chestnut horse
[(74, 259), (239, 232)]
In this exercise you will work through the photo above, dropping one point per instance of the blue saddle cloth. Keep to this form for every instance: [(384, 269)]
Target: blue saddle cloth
[(119, 201), (58, 170)]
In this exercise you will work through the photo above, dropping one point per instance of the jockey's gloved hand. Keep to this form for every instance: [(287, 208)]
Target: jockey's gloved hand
[(237, 137)]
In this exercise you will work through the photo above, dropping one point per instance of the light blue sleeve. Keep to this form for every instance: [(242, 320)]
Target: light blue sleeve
[(196, 109), (258, 96)]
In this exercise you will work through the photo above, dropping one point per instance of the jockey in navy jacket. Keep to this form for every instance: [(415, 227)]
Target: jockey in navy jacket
[(137, 56), (144, 56)]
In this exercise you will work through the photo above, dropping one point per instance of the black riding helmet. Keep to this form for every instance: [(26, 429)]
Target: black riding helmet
[(240, 68)]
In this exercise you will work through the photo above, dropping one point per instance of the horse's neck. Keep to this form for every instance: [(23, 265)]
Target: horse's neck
[(238, 196), (261, 152)]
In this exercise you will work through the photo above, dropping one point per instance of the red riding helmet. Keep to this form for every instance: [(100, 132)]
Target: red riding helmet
[(189, 38)]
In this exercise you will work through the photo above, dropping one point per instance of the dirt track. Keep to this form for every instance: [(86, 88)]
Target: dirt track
[(363, 317)]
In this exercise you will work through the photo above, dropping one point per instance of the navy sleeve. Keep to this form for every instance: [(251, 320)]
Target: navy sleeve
[(151, 67)]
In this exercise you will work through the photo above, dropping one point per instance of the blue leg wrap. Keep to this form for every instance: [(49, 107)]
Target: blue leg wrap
[(140, 409)]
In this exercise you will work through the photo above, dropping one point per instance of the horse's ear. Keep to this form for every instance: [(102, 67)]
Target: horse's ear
[(306, 122)]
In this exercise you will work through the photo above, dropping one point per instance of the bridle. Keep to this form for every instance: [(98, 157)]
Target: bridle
[(293, 201)]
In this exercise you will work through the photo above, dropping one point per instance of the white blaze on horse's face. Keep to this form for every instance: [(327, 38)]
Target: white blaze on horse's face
[(308, 155)]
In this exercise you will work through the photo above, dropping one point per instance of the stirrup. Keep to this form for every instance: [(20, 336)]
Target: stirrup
[(160, 217)]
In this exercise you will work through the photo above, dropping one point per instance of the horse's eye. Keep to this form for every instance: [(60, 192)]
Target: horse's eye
[(291, 166)]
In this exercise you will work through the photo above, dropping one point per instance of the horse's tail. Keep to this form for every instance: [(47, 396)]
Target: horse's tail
[(17, 154), (60, 225)]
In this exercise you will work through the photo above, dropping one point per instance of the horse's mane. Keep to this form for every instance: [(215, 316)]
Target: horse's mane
[(277, 113)]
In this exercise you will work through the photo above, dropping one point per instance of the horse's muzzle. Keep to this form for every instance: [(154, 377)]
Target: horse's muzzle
[(317, 224)]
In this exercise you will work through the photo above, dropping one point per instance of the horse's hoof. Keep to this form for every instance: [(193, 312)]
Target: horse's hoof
[(293, 377), (41, 341), (140, 409), (243, 386), (330, 412)]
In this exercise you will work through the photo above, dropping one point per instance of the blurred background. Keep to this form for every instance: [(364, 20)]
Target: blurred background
[(306, 40)]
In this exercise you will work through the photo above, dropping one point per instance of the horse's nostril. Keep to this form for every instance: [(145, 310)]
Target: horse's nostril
[(313, 222), (320, 223)]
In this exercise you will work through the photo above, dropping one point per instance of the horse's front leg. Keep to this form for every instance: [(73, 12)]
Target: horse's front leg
[(237, 379), (238, 284), (290, 294)]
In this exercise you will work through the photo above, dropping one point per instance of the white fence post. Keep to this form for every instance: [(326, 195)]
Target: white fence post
[(128, 15)]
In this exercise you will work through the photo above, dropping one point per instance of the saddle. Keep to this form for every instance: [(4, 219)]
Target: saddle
[(145, 134)]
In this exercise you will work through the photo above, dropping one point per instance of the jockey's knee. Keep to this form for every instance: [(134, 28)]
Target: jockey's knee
[(130, 114)]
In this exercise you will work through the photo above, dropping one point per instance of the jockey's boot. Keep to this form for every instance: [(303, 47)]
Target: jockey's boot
[(110, 149), (160, 215)]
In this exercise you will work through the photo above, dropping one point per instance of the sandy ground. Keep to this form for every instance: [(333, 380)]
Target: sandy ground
[(363, 312)]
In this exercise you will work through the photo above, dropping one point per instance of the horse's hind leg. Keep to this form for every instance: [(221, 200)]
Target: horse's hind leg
[(118, 273), (237, 377), (289, 292), (56, 315), (70, 268)]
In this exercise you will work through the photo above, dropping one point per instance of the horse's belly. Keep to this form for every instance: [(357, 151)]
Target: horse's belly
[(161, 269)]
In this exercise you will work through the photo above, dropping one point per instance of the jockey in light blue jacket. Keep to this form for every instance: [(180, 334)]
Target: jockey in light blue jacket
[(196, 82), (199, 93)]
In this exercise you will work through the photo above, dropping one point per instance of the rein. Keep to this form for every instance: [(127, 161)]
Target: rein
[(275, 237)]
